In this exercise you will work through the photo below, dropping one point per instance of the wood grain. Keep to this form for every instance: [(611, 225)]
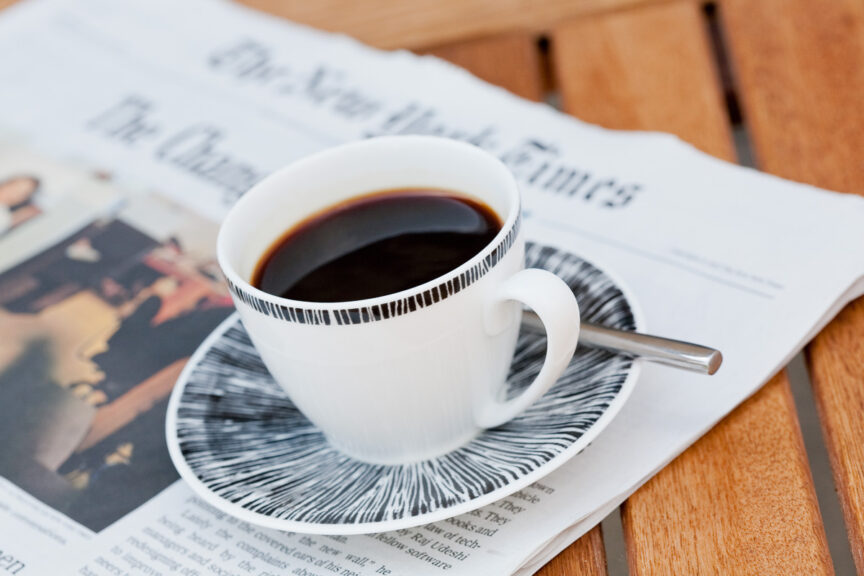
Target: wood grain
[(836, 359), (801, 83), (423, 23), (741, 500), (513, 62), (585, 557), (799, 66), (644, 69)]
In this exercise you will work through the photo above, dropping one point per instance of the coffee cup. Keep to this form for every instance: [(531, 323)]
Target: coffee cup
[(414, 374)]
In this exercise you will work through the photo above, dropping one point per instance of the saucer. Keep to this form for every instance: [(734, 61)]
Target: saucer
[(241, 444)]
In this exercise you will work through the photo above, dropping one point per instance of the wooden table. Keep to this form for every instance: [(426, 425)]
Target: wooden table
[(741, 500)]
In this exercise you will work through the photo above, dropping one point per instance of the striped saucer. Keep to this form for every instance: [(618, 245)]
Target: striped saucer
[(242, 445)]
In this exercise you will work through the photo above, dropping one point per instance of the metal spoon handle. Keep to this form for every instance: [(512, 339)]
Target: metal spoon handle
[(652, 348)]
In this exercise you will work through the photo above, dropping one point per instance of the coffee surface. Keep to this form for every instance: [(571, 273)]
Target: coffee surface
[(376, 245)]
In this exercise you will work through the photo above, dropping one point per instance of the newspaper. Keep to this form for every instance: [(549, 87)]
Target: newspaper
[(151, 125)]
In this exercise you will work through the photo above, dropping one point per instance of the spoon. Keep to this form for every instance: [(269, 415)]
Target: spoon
[(656, 349)]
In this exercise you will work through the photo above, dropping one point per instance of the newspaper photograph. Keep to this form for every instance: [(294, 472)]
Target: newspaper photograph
[(90, 443)]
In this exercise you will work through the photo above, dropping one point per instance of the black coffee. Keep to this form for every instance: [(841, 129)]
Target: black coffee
[(376, 245)]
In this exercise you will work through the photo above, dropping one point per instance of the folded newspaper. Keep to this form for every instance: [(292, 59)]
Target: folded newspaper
[(129, 129)]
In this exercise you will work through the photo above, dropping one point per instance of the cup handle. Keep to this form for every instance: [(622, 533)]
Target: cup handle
[(553, 301)]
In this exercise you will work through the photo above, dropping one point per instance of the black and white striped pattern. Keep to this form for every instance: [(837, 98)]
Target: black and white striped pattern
[(365, 314), (242, 437)]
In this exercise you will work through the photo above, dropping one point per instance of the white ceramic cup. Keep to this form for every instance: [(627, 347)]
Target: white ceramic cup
[(410, 375)]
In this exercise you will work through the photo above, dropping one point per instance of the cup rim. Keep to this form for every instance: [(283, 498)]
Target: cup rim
[(506, 235)]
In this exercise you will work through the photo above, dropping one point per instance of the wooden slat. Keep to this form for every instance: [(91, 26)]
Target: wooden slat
[(799, 66), (512, 61), (644, 69), (422, 23), (741, 500), (836, 359), (800, 70), (585, 557)]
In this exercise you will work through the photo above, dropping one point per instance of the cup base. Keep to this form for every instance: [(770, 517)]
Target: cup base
[(406, 457)]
